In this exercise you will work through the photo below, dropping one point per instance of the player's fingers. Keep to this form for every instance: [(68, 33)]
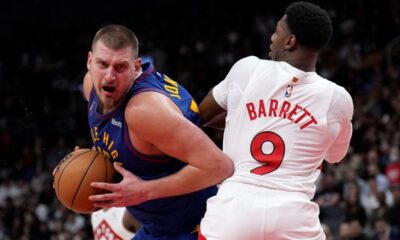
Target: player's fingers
[(103, 198), (103, 185), (76, 148), (118, 167)]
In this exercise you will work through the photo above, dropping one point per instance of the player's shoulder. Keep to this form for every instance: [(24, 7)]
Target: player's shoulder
[(338, 91), (246, 66), (247, 62), (148, 107), (341, 93), (144, 101), (342, 101), (253, 64)]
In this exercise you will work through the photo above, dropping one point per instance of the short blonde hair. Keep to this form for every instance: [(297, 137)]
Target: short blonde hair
[(117, 37)]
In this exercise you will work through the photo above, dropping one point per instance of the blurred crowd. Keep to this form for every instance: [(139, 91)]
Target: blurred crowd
[(43, 59)]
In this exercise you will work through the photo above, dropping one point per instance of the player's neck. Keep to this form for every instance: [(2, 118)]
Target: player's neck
[(304, 60), (105, 109)]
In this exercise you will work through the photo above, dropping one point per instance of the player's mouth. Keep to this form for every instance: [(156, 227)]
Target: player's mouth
[(108, 90)]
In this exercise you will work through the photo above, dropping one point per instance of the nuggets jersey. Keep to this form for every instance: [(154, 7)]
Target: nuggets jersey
[(107, 224), (282, 123), (110, 137)]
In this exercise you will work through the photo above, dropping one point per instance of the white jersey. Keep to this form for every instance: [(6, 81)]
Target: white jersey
[(282, 123), (107, 224)]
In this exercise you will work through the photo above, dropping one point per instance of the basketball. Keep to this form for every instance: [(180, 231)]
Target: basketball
[(73, 175)]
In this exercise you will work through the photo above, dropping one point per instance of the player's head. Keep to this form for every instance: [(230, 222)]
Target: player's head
[(117, 37), (304, 26), (113, 63)]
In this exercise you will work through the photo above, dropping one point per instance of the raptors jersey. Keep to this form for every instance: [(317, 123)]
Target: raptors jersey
[(107, 224), (282, 123)]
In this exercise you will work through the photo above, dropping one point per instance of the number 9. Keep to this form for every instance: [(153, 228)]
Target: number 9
[(272, 160)]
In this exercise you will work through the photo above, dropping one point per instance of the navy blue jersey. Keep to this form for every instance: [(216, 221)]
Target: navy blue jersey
[(110, 136)]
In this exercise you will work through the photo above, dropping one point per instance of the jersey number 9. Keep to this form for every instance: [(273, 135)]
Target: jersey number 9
[(271, 160)]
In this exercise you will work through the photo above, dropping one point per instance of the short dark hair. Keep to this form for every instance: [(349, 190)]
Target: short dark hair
[(309, 23), (117, 37)]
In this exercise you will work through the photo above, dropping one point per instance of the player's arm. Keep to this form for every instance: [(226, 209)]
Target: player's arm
[(155, 119), (214, 105), (340, 126), (87, 86), (211, 113)]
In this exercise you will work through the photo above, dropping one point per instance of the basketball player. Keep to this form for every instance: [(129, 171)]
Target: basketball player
[(146, 123), (283, 120), (113, 223)]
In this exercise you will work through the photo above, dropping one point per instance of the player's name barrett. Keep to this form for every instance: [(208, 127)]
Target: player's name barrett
[(282, 109)]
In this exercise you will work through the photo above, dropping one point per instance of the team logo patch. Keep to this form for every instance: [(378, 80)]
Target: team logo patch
[(116, 123)]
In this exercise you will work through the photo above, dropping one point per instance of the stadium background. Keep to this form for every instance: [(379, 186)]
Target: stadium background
[(43, 53)]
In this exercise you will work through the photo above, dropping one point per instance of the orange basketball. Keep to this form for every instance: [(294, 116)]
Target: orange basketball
[(73, 175)]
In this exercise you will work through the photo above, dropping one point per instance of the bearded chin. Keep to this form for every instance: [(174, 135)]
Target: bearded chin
[(106, 104)]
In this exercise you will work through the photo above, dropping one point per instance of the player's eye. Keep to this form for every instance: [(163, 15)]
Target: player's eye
[(120, 67), (102, 64)]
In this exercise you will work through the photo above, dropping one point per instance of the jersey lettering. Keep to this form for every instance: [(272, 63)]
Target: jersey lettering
[(104, 144), (251, 111), (172, 87), (292, 112)]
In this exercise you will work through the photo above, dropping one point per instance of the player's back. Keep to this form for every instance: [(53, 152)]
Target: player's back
[(276, 129)]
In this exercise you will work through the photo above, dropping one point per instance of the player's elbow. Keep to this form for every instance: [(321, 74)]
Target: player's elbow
[(335, 157), (224, 169), (337, 152)]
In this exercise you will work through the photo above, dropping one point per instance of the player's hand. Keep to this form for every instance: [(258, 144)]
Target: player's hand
[(130, 191)]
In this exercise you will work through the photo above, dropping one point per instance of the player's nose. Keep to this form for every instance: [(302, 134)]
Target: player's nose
[(110, 75)]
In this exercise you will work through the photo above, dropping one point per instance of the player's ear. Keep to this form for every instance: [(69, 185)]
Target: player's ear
[(137, 66), (291, 42), (89, 60)]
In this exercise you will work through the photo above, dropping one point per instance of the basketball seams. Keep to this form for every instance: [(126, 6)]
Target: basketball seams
[(106, 178), (83, 178), (65, 166), (82, 169)]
